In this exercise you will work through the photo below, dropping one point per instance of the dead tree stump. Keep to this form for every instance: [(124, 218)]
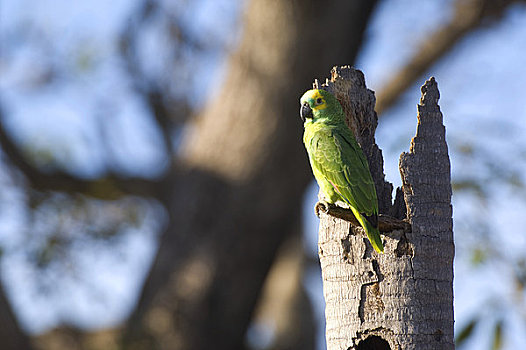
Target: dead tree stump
[(402, 299)]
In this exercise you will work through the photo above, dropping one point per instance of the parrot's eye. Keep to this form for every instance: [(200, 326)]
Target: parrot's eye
[(319, 101)]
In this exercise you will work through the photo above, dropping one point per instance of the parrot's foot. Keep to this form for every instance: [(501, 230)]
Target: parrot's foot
[(386, 223)]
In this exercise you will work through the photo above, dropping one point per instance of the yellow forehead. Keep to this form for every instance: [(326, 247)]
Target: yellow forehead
[(314, 94)]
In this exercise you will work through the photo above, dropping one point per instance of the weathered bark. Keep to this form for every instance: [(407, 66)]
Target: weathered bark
[(402, 299), (242, 174), (426, 178)]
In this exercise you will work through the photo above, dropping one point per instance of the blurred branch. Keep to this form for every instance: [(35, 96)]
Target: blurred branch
[(468, 16), (167, 119), (71, 338), (111, 186), (169, 112)]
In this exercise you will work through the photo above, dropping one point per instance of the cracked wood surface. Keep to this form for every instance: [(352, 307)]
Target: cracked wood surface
[(403, 296)]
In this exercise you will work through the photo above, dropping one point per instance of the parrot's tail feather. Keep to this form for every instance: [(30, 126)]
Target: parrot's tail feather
[(374, 237), (372, 232)]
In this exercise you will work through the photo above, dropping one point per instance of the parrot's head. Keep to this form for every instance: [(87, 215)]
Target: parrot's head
[(319, 105)]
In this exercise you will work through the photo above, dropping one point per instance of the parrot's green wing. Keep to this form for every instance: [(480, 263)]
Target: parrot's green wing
[(337, 156)]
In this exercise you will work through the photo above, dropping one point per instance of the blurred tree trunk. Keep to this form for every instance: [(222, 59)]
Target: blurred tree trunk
[(240, 183), (11, 336), (402, 299), (284, 307)]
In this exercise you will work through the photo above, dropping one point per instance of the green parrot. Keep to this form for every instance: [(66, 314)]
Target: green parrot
[(337, 161)]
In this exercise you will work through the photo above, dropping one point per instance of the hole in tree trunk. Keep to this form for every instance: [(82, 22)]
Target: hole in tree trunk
[(373, 343)]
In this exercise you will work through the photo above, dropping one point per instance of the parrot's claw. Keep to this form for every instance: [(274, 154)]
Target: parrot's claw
[(320, 206), (335, 211)]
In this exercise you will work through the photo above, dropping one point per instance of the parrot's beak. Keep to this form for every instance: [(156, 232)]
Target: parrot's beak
[(305, 111)]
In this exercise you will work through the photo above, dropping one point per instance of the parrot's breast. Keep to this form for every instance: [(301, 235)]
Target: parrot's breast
[(314, 132)]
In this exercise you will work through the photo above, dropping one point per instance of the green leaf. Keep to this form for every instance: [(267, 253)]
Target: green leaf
[(478, 256), (470, 185), (466, 332), (497, 336)]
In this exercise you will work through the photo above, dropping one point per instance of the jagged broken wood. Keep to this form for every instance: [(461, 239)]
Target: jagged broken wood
[(386, 223), (401, 299)]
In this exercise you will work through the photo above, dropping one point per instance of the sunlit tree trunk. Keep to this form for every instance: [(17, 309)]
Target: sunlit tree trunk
[(402, 299)]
